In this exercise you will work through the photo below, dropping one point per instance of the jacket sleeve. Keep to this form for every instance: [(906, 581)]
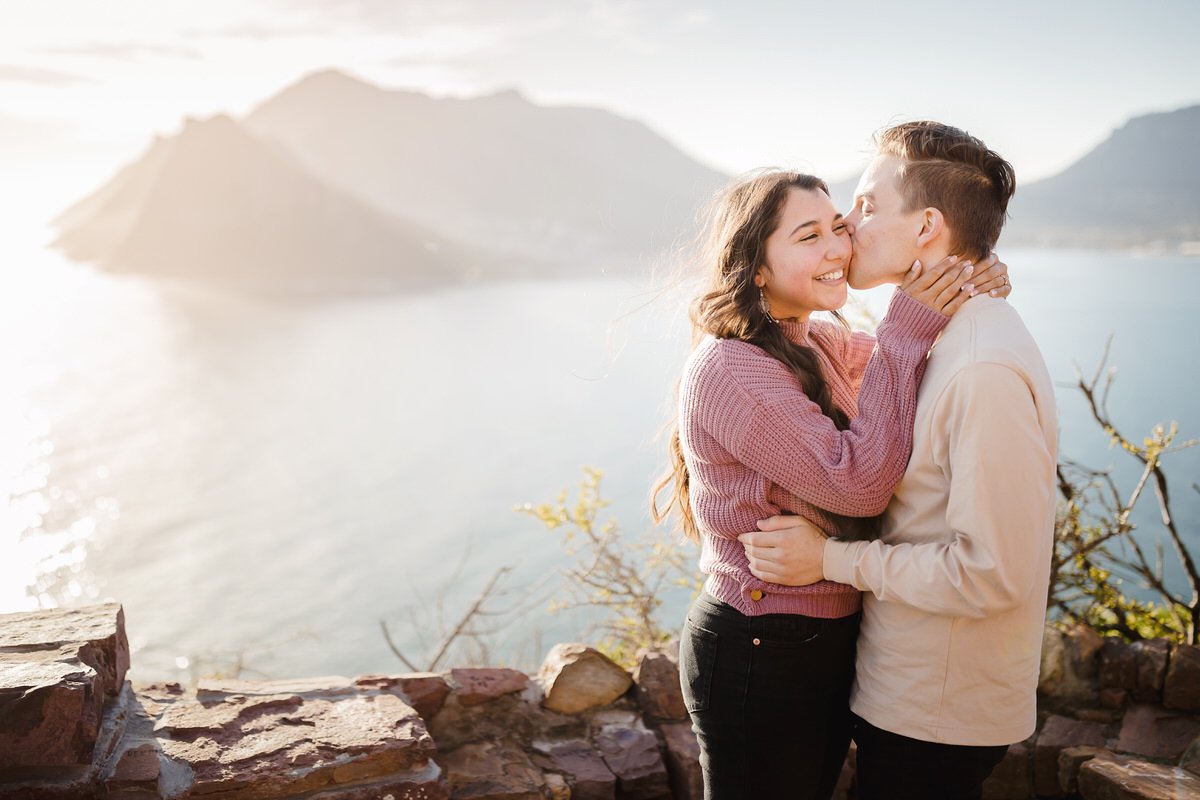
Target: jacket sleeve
[(768, 424), (988, 441)]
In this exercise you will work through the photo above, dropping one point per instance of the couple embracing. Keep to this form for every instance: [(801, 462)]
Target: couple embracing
[(876, 514)]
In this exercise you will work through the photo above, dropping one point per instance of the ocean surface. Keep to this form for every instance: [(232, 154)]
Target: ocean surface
[(260, 484)]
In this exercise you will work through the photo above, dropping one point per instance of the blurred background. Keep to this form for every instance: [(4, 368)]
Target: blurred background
[(299, 298)]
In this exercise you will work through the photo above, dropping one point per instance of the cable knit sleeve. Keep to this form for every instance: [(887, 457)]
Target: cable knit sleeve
[(856, 355), (756, 410)]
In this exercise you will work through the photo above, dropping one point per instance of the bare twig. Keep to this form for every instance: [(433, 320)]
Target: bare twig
[(387, 637), (1082, 542)]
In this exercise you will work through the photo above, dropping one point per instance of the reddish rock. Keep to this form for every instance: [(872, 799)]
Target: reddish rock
[(479, 685), (631, 752), (1069, 762), (1118, 665), (1152, 655), (286, 744), (58, 670), (1181, 688), (1101, 716), (1156, 733), (514, 716), (137, 768), (588, 777), (658, 692), (1069, 663), (1191, 758), (578, 678), (217, 689), (1128, 779), (492, 771), (683, 761), (424, 691), (1012, 779), (557, 787), (1058, 733), (1113, 698), (418, 783)]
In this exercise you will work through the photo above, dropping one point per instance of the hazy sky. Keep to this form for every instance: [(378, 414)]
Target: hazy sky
[(86, 84)]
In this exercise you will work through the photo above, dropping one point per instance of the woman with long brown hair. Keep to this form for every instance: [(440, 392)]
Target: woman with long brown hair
[(781, 413)]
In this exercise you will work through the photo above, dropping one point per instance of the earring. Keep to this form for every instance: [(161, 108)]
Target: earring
[(765, 306)]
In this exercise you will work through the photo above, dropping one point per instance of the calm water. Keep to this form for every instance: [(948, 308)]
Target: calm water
[(273, 480)]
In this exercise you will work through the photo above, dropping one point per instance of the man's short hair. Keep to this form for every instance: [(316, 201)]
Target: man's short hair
[(948, 169)]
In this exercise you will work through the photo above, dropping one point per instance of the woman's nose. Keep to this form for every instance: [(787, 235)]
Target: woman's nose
[(840, 250)]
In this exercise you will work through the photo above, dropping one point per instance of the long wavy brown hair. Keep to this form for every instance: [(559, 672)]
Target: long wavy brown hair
[(730, 307)]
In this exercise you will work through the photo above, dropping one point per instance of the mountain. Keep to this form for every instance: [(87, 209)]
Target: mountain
[(216, 204), (577, 186), (1140, 186)]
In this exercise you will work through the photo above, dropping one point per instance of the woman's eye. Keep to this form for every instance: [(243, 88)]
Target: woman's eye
[(809, 238), (840, 229)]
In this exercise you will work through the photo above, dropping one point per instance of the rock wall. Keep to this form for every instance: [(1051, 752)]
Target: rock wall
[(1116, 721)]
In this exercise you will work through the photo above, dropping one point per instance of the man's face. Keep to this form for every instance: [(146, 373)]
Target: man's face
[(884, 236)]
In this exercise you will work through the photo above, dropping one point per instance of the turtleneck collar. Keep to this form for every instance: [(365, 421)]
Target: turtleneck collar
[(795, 330)]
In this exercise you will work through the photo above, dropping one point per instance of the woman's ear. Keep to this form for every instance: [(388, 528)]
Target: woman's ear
[(760, 277), (933, 225)]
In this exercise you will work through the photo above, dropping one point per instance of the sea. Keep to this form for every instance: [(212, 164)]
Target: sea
[(275, 488)]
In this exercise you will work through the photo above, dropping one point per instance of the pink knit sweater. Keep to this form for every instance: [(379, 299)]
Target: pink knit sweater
[(756, 446)]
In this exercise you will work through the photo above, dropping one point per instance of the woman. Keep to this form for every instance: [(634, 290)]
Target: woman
[(782, 414)]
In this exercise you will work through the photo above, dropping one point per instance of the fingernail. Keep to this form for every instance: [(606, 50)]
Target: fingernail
[(994, 293), (968, 269), (968, 287), (973, 293), (953, 259), (916, 264)]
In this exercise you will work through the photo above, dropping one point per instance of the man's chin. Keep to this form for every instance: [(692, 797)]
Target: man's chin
[(854, 281), (860, 279)]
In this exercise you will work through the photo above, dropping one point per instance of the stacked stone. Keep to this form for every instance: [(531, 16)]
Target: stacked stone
[(61, 677), (1116, 720), (71, 726), (576, 731)]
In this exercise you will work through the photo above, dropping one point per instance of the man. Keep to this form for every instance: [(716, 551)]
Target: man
[(955, 589)]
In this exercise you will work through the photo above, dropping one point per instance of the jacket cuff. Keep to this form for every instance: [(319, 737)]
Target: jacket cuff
[(837, 561)]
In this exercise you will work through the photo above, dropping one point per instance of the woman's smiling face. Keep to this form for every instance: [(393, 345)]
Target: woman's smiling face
[(807, 255)]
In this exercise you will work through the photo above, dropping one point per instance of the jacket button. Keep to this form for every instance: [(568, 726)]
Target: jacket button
[(757, 641), (756, 595)]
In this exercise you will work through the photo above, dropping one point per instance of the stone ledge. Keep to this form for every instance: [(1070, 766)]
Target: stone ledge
[(1128, 779), (58, 670)]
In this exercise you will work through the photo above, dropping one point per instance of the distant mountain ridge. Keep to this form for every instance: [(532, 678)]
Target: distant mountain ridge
[(335, 184), (216, 204), (1138, 187), (567, 185)]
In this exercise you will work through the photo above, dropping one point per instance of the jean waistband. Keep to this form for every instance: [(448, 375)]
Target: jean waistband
[(709, 611)]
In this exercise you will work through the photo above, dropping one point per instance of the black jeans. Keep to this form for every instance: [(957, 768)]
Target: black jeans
[(895, 767), (769, 700)]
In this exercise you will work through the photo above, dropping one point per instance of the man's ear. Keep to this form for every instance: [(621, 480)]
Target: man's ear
[(933, 225)]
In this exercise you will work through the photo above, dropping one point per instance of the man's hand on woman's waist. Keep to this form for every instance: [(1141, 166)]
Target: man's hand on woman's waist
[(787, 550)]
